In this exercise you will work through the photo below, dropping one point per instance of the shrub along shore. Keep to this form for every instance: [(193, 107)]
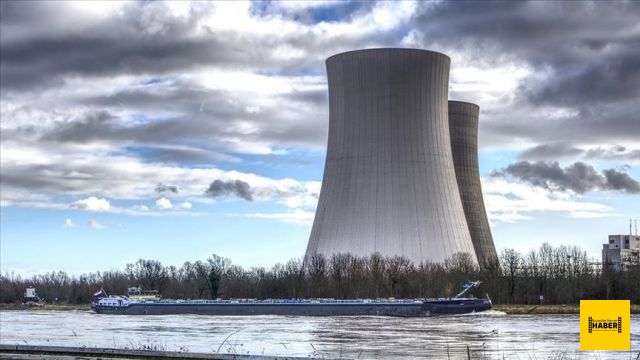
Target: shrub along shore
[(561, 275)]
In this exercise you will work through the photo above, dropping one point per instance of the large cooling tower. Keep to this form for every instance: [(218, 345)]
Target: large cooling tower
[(463, 129), (389, 182)]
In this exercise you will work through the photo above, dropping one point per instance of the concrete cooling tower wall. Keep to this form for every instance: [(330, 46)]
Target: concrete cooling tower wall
[(463, 129), (389, 182)]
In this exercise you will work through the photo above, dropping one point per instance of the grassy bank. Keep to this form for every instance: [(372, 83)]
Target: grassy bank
[(46, 307), (547, 309)]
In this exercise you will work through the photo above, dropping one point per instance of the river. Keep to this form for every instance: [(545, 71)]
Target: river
[(489, 335)]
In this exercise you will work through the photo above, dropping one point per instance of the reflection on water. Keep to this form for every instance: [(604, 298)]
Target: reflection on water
[(486, 335)]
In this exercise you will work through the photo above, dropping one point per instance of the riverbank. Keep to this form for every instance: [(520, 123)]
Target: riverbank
[(46, 307), (509, 309), (547, 309)]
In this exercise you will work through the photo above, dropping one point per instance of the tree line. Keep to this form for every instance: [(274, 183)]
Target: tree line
[(561, 275)]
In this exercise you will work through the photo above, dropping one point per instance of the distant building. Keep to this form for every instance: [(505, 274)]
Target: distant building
[(622, 252), (30, 294)]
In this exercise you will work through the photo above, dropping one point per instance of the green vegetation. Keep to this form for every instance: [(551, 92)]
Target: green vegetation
[(562, 275), (547, 309), (45, 307)]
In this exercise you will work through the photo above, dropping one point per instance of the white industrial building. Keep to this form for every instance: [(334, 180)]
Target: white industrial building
[(622, 252)]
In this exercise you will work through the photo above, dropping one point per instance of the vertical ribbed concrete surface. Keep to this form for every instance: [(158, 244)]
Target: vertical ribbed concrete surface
[(463, 129), (389, 182)]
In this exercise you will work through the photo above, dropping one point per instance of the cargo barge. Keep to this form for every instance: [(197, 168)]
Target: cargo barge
[(317, 307)]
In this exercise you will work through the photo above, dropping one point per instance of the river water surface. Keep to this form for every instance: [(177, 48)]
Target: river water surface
[(489, 335)]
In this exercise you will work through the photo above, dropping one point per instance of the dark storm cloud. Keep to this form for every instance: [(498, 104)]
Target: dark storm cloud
[(593, 82), (555, 151), (166, 95), (585, 56), (579, 177), (95, 125), (619, 153), (91, 177), (550, 151), (238, 188), (104, 126), (180, 155), (209, 126), (22, 65), (197, 116), (316, 97), (38, 54), (143, 39), (617, 180), (53, 178), (160, 188), (610, 124), (203, 118), (532, 30), (120, 45)]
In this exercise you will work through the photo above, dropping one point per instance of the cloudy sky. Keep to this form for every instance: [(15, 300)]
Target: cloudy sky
[(175, 130)]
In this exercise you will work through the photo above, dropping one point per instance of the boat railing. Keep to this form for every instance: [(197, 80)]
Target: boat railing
[(276, 301)]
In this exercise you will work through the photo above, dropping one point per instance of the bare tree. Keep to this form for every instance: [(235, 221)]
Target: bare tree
[(511, 261), (317, 269), (218, 267), (562, 274)]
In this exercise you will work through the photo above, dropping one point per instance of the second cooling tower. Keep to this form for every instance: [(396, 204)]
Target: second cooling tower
[(463, 129), (389, 182)]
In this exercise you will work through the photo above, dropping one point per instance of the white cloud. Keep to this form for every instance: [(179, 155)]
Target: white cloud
[(590, 214), (308, 199), (184, 205), (384, 16), (491, 87), (95, 224), (92, 204), (297, 216), (115, 224), (68, 223), (511, 202), (164, 203)]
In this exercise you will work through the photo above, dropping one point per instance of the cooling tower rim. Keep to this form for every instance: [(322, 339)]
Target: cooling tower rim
[(464, 103), (389, 48)]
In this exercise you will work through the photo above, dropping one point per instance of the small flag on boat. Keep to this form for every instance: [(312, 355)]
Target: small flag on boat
[(99, 293)]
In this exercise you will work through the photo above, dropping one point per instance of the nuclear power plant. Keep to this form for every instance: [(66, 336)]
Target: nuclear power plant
[(390, 183)]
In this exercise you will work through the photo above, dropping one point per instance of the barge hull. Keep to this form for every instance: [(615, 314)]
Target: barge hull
[(302, 309), (403, 310)]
